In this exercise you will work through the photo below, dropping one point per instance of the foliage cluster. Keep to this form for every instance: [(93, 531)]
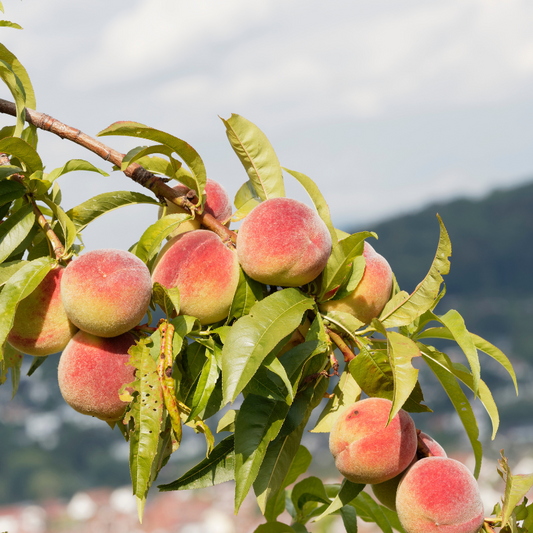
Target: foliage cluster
[(186, 372)]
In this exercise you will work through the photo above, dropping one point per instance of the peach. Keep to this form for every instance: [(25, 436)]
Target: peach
[(106, 292), (283, 242), (217, 204), (386, 492), (371, 294), (437, 495), (205, 271), (41, 326), (91, 372), (365, 449)]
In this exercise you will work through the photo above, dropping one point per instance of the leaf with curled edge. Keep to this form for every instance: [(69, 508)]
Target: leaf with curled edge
[(144, 419)]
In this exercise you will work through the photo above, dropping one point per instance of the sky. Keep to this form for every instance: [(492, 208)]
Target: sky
[(388, 106)]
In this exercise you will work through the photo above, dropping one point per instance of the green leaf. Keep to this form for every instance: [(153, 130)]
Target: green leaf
[(9, 170), (205, 386), (285, 460), (14, 230), (344, 321), (516, 487), (345, 393), (339, 262), (11, 190), (103, 203), (20, 285), (22, 151), (9, 269), (145, 419), (480, 344), (7, 24), (253, 337), (150, 241), (167, 299), (17, 91), (142, 153), (370, 511), (373, 372), (351, 281), (257, 156), (68, 227), (247, 294), (456, 326), (12, 361), (424, 295), (21, 74), (349, 519), (442, 367), (227, 422), (183, 149), (484, 394), (258, 422), (215, 469), (72, 166), (400, 351), (245, 194), (310, 489), (348, 493), (318, 200)]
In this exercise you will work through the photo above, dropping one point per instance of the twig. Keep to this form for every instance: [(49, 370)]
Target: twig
[(341, 345), (134, 171)]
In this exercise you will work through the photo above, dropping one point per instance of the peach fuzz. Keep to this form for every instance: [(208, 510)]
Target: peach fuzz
[(41, 326), (386, 492), (283, 242), (373, 292), (365, 449), (205, 271), (106, 292), (439, 495), (91, 372), (217, 203)]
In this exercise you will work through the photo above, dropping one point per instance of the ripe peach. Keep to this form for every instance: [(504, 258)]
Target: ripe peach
[(365, 449), (41, 325), (106, 292), (373, 292), (217, 204), (283, 242), (386, 492), (438, 494), (205, 271), (91, 372)]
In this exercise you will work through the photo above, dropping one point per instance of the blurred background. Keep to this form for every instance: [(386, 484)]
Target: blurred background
[(398, 111)]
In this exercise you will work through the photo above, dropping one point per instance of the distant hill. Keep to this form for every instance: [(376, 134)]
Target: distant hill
[(492, 244)]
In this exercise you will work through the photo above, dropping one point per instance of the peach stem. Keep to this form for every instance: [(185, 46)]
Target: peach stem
[(134, 171), (422, 448)]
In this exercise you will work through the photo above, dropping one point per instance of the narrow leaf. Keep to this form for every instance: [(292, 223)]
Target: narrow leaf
[(424, 295), (21, 74), (72, 166), (215, 469), (68, 227), (257, 156), (442, 367), (22, 151), (347, 494), (247, 294), (103, 203)]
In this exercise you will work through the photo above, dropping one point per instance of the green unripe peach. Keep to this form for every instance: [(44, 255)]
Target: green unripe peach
[(439, 494), (365, 448), (41, 326), (371, 294), (91, 372), (106, 292), (283, 242), (386, 492), (205, 271)]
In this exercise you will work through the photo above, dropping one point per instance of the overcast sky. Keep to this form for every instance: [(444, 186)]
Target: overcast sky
[(387, 105)]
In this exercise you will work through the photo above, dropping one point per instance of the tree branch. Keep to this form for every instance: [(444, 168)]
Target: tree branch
[(341, 345), (134, 171)]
